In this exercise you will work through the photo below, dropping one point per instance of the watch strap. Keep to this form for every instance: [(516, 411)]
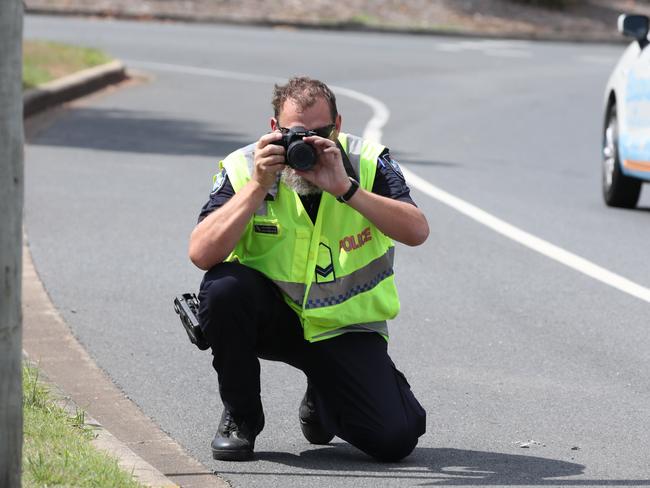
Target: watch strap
[(354, 186)]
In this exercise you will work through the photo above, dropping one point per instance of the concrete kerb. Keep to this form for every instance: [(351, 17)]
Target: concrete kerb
[(73, 86), (103, 440), (122, 429)]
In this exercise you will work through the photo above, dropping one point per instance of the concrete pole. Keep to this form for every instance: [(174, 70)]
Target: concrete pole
[(11, 215)]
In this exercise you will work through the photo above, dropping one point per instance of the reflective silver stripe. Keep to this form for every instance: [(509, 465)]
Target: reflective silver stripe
[(346, 287), (295, 291), (381, 327), (249, 154), (355, 145)]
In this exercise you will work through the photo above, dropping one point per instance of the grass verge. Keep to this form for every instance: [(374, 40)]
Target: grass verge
[(45, 61), (57, 449)]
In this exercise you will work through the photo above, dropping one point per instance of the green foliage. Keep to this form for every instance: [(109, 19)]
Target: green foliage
[(57, 449), (45, 61)]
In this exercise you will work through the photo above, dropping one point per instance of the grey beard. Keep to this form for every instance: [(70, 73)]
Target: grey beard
[(297, 183)]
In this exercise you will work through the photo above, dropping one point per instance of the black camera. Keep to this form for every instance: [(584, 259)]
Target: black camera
[(300, 155)]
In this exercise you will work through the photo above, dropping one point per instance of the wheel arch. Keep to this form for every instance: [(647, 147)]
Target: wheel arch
[(611, 101)]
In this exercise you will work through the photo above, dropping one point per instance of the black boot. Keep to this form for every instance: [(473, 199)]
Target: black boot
[(235, 438), (310, 423)]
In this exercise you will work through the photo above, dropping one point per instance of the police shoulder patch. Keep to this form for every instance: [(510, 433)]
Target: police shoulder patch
[(393, 165), (218, 181)]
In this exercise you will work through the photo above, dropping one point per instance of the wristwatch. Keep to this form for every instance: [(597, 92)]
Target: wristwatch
[(354, 186)]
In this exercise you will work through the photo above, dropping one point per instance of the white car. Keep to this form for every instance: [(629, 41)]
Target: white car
[(626, 132)]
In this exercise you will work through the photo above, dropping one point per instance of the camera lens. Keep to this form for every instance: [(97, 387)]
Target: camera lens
[(301, 156)]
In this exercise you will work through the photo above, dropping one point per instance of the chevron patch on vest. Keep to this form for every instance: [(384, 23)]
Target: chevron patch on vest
[(324, 265)]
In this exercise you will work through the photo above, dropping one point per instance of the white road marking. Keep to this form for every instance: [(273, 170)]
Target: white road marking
[(505, 49), (594, 59), (381, 114), (507, 53), (373, 131), (530, 241), (212, 73)]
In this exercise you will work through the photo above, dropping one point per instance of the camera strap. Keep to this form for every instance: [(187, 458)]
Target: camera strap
[(346, 163)]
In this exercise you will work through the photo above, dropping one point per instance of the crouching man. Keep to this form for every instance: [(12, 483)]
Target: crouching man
[(297, 241)]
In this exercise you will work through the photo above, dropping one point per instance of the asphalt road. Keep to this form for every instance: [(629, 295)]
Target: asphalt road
[(532, 373)]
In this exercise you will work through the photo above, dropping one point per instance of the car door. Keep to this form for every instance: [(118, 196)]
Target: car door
[(634, 130)]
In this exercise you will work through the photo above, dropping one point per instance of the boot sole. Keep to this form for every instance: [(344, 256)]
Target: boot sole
[(222, 455)]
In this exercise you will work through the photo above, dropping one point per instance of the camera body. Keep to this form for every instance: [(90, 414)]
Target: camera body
[(299, 154)]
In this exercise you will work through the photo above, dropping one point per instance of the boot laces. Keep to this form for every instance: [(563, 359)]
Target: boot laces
[(229, 424)]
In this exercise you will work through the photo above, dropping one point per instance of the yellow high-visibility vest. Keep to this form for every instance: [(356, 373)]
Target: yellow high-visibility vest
[(336, 272)]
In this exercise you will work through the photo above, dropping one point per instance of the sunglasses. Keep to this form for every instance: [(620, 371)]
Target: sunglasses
[(324, 131)]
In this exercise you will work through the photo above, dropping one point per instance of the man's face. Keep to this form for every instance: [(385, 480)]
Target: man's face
[(315, 117)]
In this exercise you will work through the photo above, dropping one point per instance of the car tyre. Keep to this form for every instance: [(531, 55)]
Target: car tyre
[(618, 190)]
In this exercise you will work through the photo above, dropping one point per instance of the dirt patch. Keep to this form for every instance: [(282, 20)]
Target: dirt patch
[(579, 20)]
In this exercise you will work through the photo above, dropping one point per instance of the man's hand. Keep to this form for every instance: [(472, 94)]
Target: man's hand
[(217, 235), (329, 172), (269, 160), (398, 220)]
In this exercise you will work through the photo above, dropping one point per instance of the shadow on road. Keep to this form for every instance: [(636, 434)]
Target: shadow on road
[(137, 132), (453, 467)]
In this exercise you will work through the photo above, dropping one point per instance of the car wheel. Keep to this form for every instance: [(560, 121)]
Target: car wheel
[(618, 190)]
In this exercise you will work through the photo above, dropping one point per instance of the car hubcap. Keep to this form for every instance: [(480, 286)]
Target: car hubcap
[(609, 155)]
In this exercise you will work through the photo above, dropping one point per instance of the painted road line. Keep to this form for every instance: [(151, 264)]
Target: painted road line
[(530, 241), (506, 49), (373, 132), (595, 59), (209, 72), (507, 53), (380, 112)]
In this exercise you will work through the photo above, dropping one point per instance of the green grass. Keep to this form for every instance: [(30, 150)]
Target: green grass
[(364, 18), (45, 61), (57, 449)]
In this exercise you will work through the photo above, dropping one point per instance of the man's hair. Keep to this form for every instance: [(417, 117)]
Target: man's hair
[(305, 92)]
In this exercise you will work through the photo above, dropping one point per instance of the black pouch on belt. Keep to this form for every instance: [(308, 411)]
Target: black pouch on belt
[(187, 308)]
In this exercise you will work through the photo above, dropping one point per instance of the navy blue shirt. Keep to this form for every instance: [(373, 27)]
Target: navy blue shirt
[(389, 182)]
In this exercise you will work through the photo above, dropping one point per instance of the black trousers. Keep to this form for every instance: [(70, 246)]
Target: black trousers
[(359, 393)]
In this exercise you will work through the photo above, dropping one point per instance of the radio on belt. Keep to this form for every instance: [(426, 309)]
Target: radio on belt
[(187, 308)]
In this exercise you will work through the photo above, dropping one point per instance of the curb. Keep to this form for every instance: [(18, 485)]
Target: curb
[(72, 86), (104, 441), (49, 342), (348, 26), (142, 446)]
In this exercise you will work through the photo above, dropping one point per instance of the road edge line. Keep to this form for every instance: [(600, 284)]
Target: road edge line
[(374, 131), (526, 239)]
